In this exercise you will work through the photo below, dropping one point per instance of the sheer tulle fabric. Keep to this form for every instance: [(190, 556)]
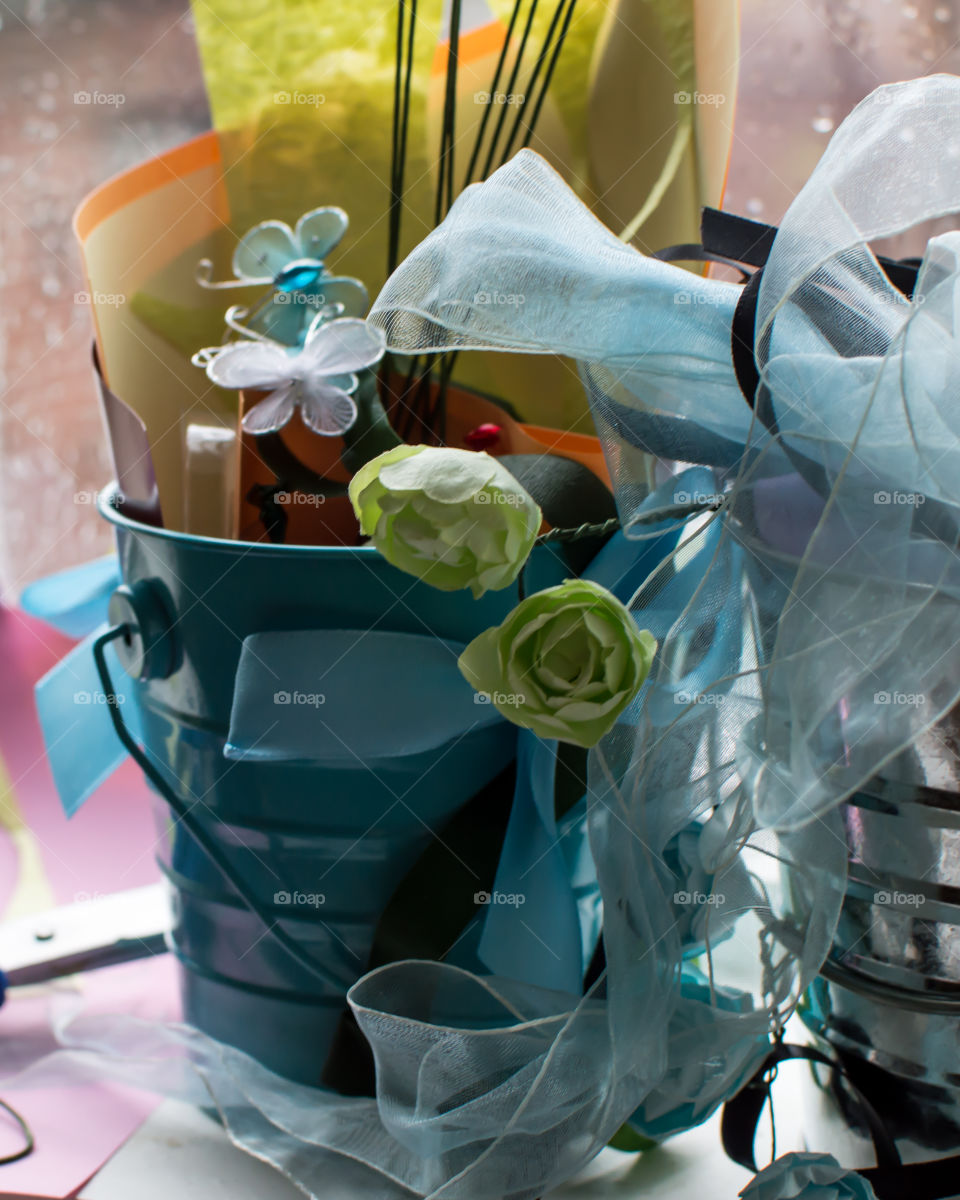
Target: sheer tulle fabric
[(712, 807)]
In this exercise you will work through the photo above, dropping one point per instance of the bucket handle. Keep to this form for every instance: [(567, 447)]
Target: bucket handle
[(195, 829)]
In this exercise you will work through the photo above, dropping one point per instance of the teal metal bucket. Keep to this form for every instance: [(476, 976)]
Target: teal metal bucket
[(312, 850)]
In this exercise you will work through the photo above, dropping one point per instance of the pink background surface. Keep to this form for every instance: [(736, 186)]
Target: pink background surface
[(106, 847)]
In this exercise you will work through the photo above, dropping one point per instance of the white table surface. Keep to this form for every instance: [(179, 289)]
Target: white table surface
[(182, 1154)]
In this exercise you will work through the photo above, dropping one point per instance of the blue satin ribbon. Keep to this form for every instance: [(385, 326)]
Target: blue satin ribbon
[(74, 601), (532, 930), (349, 697), (546, 938), (82, 747)]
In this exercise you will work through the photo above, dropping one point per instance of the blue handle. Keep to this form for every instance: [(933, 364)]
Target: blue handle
[(195, 828)]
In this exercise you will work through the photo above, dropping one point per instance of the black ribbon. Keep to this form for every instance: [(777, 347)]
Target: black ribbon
[(732, 239), (891, 1179), (740, 242)]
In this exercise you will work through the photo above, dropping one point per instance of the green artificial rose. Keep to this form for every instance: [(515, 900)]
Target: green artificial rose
[(565, 663), (453, 518)]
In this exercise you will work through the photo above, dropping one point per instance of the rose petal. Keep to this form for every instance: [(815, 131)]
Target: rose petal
[(451, 476), (365, 489), (479, 663)]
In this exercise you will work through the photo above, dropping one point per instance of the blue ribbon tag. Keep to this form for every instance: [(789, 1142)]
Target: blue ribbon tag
[(349, 697), (532, 930), (74, 601), (545, 917), (82, 748)]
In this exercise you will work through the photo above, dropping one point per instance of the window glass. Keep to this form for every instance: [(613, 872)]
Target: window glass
[(87, 88)]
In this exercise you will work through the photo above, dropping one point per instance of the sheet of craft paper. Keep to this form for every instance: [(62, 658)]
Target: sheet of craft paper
[(141, 237), (44, 861), (78, 1126)]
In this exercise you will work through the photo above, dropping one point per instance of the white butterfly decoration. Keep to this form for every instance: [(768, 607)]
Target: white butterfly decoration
[(317, 379)]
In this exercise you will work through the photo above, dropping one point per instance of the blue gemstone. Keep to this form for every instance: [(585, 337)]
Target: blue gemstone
[(297, 276)]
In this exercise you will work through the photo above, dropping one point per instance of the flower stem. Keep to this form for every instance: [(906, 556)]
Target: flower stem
[(669, 512)]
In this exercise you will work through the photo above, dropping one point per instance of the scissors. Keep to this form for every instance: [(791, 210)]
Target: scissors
[(98, 932)]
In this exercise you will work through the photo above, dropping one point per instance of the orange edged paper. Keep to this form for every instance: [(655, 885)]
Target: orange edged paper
[(141, 236)]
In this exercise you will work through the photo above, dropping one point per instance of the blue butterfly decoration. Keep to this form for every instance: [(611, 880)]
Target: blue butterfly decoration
[(290, 263)]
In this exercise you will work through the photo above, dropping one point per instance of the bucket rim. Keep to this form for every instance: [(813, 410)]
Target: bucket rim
[(110, 511)]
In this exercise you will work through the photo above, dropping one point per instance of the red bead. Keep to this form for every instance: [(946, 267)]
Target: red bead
[(483, 437)]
